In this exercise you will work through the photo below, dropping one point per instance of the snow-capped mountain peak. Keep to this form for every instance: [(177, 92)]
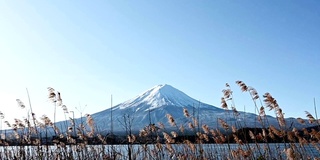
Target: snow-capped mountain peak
[(153, 105), (160, 95)]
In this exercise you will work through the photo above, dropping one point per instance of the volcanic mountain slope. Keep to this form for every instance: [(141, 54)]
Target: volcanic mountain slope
[(153, 105)]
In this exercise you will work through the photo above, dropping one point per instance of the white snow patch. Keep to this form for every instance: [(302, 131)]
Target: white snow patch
[(160, 95)]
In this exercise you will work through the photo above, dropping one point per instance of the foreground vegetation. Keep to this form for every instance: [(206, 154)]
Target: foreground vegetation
[(32, 140)]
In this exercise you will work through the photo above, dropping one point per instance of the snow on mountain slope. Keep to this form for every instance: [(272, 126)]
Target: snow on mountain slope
[(159, 96)]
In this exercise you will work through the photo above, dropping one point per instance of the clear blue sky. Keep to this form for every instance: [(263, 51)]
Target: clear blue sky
[(89, 50)]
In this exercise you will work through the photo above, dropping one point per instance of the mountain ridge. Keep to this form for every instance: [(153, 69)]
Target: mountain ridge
[(153, 106), (160, 95)]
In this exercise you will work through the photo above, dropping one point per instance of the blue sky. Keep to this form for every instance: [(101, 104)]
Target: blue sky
[(90, 50)]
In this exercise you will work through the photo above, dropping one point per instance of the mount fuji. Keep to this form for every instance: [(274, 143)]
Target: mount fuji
[(152, 106)]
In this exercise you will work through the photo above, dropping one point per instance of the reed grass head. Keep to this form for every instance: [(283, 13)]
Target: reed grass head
[(222, 138), (223, 124), (242, 85), (227, 93), (270, 101), (46, 120), (234, 129), (19, 123), (54, 97), (161, 125), (1, 115), (153, 128), (131, 138), (252, 136), (200, 135), (213, 132), (205, 137), (102, 139), (280, 117), (168, 138), (205, 128), (275, 131), (52, 94), (262, 112), (305, 132), (7, 123), (195, 122), (70, 129), (16, 135), (33, 116), (171, 120), (291, 136), (186, 113), (290, 153), (143, 133), (253, 92), (235, 111), (58, 99), (20, 104), (65, 109), (224, 104), (181, 128), (174, 134), (264, 133), (246, 153), (311, 118), (89, 120), (237, 140), (90, 134), (191, 126)]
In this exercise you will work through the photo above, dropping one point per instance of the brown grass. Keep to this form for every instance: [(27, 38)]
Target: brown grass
[(258, 145)]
